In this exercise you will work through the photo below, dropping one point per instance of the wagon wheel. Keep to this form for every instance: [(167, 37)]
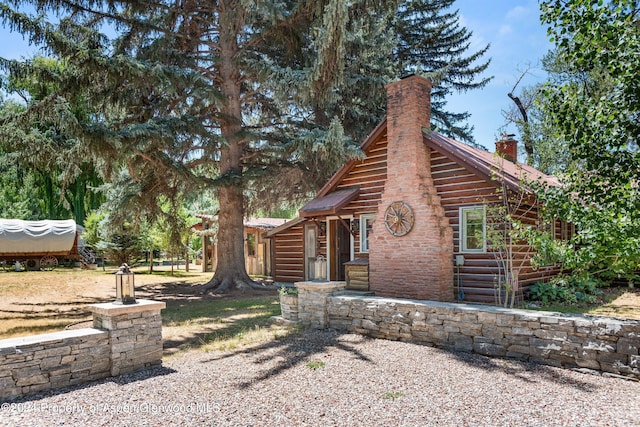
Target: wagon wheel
[(398, 218), (48, 263)]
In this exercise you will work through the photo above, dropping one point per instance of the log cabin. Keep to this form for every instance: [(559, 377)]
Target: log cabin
[(410, 219), (257, 248)]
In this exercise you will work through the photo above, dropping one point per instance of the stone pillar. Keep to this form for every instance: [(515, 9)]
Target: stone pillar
[(135, 333), (312, 302)]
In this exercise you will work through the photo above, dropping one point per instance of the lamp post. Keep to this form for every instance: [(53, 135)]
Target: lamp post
[(125, 286)]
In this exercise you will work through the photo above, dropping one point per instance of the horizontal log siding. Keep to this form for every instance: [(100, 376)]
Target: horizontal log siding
[(370, 174), (288, 249), (458, 187)]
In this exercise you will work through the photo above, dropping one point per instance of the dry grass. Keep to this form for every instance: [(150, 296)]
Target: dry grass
[(620, 302), (40, 302), (223, 323), (45, 301)]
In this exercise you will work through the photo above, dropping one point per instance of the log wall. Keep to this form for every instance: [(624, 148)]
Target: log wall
[(288, 254), (457, 187)]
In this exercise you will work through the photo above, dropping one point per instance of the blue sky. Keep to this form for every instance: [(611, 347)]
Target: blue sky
[(518, 41), (511, 27)]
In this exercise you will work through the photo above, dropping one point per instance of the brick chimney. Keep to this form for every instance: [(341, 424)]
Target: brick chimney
[(419, 263), (507, 148)]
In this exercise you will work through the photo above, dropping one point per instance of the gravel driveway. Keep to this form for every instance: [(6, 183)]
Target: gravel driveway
[(322, 378)]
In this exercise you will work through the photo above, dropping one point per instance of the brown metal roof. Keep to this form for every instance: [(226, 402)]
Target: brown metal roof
[(264, 223), (330, 204), (487, 164)]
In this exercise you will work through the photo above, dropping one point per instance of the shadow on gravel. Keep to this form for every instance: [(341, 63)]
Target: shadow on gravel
[(145, 374), (298, 349), (294, 350), (530, 372)]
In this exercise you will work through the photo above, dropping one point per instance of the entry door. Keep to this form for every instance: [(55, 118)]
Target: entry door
[(310, 244), (340, 249)]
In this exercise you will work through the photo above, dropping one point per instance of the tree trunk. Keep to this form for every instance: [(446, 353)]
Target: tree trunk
[(230, 273), (526, 137)]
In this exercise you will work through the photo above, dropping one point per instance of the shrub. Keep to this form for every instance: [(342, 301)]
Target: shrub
[(567, 290), (286, 290)]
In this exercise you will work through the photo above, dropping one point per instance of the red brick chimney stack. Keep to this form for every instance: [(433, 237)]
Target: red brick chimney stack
[(418, 264), (507, 148)]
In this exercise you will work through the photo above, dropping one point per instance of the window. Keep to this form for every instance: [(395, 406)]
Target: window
[(366, 225), (472, 229), (251, 244), (567, 230)]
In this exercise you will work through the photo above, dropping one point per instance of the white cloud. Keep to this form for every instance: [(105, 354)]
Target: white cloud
[(505, 29), (517, 12)]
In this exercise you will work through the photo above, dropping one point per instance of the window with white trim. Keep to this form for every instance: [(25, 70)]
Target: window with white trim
[(366, 225), (473, 229)]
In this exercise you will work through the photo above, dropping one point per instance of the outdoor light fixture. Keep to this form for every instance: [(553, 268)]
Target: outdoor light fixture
[(320, 269), (125, 286)]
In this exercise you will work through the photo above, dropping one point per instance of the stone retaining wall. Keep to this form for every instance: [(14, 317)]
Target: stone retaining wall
[(598, 343), (312, 302), (41, 362), (125, 338)]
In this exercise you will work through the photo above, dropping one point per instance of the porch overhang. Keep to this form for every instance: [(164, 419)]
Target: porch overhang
[(329, 204)]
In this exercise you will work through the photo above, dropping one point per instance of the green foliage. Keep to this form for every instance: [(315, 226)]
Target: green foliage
[(593, 106), (544, 149), (392, 395), (260, 101), (287, 290), (92, 228), (43, 160), (121, 247), (431, 40), (316, 364), (566, 290)]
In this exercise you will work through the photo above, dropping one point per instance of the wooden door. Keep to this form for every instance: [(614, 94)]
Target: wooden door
[(310, 245), (340, 249)]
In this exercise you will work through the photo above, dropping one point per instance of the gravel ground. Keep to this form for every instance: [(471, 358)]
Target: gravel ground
[(357, 381)]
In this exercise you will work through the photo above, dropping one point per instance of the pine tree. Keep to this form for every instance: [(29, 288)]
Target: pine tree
[(192, 94), (58, 188), (183, 95), (431, 41)]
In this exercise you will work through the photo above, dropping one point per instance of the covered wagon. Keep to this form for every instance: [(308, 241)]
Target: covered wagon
[(40, 245)]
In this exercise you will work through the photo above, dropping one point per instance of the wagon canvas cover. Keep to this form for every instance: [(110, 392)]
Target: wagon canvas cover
[(18, 236)]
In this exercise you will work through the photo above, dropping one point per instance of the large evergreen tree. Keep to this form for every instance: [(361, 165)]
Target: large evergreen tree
[(184, 95), (240, 95), (431, 40), (39, 180)]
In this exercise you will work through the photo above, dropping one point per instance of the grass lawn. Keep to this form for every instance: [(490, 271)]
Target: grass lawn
[(614, 302), (41, 302)]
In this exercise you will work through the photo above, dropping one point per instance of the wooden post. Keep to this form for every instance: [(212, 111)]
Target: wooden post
[(205, 248), (186, 258)]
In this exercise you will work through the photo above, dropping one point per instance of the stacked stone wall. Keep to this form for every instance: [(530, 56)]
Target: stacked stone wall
[(135, 335), (125, 338), (42, 362), (589, 342)]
